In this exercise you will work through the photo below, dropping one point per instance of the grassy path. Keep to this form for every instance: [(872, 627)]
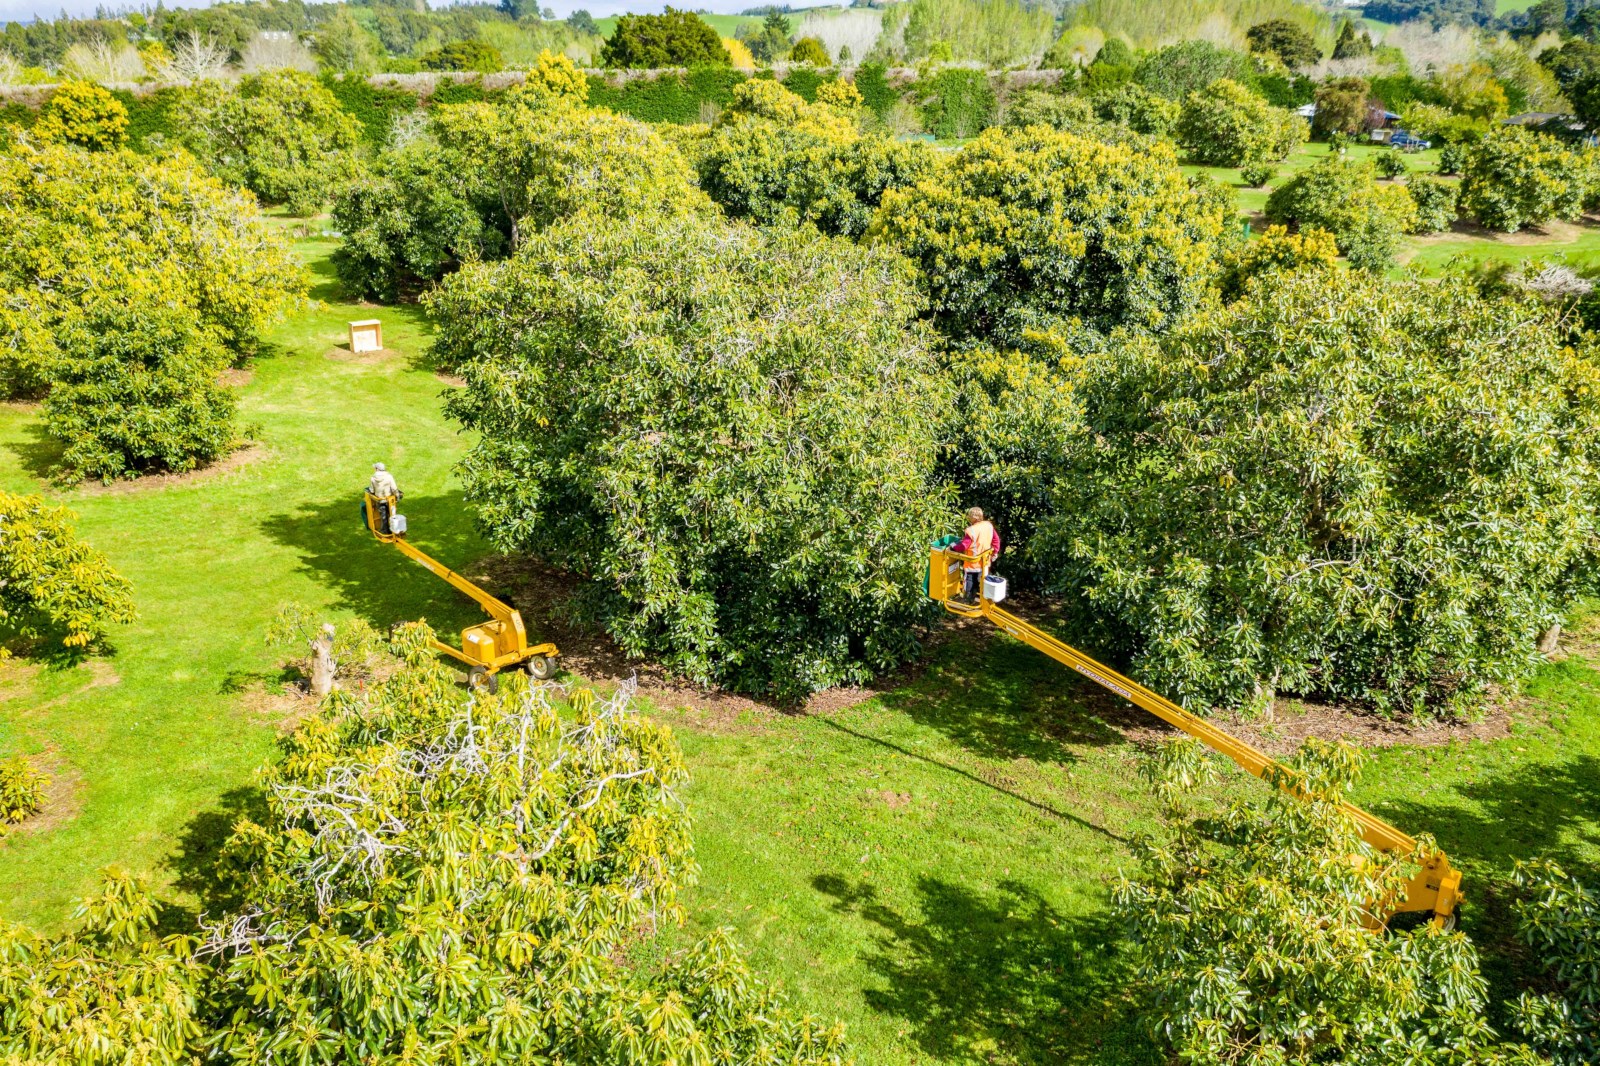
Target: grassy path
[(931, 866)]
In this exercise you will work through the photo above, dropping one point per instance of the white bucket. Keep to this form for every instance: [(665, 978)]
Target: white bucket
[(397, 523), (994, 588)]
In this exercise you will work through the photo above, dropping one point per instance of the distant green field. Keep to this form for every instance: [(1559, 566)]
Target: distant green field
[(1502, 7)]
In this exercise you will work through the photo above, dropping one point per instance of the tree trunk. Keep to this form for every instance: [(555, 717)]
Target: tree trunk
[(322, 663), (1551, 640)]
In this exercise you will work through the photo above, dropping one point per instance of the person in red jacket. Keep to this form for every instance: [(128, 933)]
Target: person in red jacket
[(982, 542)]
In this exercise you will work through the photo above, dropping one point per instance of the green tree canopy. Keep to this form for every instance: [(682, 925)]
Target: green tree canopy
[(469, 55), (1341, 485), (810, 50), (671, 39), (280, 134), (778, 160), (491, 174), (1514, 177), (1345, 198), (1292, 43), (1227, 125), (743, 481), (1252, 941), (81, 113), (434, 881), (130, 284), (1342, 105), (51, 582), (1188, 67), (1028, 227)]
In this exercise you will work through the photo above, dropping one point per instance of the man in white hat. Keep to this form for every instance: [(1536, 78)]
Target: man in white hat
[(383, 486)]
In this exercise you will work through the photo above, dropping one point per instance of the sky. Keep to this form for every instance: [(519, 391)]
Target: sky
[(26, 10)]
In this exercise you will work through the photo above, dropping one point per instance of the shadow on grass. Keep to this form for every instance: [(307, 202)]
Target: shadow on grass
[(39, 453), (1530, 811), (998, 976), (374, 579), (1002, 700), (197, 862)]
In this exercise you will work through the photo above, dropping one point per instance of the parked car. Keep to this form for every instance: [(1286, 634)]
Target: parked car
[(1407, 143)]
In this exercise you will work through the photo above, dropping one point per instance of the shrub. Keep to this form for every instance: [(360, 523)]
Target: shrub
[(671, 39), (872, 82), (746, 486), (1026, 227), (840, 94), (281, 135), (83, 114), (468, 55), (22, 791), (960, 102), (809, 50), (1342, 106), (388, 854), (1139, 109), (1277, 251), (1316, 528), (1292, 44), (1436, 202), (1514, 178), (1188, 67), (55, 584), (1257, 174), (1250, 926), (490, 174), (96, 262), (1227, 125), (1343, 197), (1059, 111), (777, 160), (1389, 165), (140, 394), (1559, 920)]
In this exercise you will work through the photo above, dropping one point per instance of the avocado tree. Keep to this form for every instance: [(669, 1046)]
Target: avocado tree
[(671, 39), (1227, 125), (743, 483), (778, 160), (486, 175), (1344, 197), (1028, 227), (1515, 178), (127, 285), (1342, 486), (281, 134), (437, 880), (52, 583), (1253, 939), (81, 113)]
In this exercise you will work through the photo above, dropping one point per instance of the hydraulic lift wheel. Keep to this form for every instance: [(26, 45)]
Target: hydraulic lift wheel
[(480, 679), (539, 668)]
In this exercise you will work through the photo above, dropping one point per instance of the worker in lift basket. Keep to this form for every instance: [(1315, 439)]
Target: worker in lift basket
[(383, 486), (982, 543)]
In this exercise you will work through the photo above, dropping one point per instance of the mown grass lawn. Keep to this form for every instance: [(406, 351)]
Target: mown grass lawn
[(931, 865)]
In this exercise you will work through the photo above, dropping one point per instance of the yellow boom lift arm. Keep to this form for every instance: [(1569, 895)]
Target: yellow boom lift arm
[(488, 647), (1434, 890)]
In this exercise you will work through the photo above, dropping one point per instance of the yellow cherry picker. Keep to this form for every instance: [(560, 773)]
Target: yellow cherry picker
[(486, 648), (1434, 890)]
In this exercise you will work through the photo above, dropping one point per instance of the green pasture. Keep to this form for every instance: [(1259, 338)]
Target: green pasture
[(931, 865)]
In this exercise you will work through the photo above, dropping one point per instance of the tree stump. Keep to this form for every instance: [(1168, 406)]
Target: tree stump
[(322, 662)]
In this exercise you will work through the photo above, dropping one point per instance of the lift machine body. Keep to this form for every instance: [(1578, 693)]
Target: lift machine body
[(488, 647), (1433, 891)]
